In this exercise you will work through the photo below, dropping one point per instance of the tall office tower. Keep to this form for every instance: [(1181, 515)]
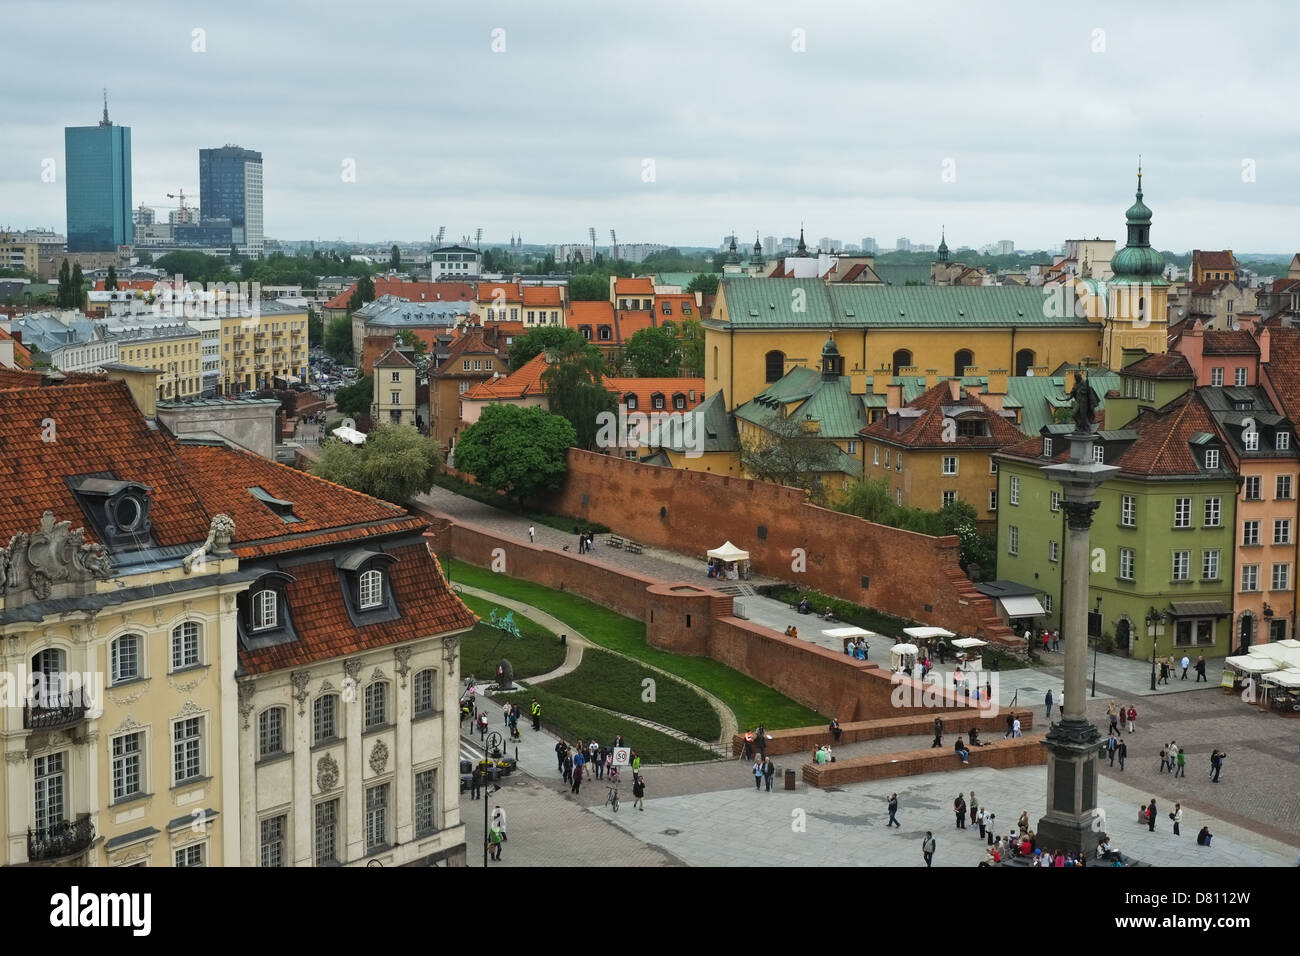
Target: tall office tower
[(230, 187), (97, 186)]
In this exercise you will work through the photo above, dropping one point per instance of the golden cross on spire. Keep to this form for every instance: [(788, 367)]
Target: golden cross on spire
[(1139, 167)]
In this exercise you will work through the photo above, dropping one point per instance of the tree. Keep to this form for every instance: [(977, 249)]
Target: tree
[(65, 282), (409, 339), (395, 258), (536, 341), (363, 293), (690, 342), (338, 339), (110, 284), (77, 287), (575, 389), (547, 265), (654, 352), (787, 453), (704, 282), (316, 328), (146, 258), (355, 400), (517, 451), (396, 463), (589, 288)]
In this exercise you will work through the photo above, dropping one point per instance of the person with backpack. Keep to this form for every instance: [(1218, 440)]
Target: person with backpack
[(494, 840), (499, 821), (638, 793)]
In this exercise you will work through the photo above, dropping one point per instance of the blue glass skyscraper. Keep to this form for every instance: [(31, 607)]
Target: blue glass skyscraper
[(97, 179), (230, 187)]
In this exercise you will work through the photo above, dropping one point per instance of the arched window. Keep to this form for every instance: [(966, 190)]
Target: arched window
[(325, 717), (371, 591), (270, 732), (1142, 310), (185, 645), (775, 365), (124, 658), (47, 678), (1024, 361), (265, 609), (902, 360), (961, 360), (425, 692), (376, 705)]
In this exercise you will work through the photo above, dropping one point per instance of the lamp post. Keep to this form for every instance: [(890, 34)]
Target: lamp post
[(1153, 620), (1095, 641)]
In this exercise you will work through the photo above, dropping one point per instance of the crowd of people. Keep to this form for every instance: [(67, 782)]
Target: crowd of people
[(587, 759)]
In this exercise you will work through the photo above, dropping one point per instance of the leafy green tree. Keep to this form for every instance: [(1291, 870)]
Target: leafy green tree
[(704, 282), (146, 258), (396, 463), (316, 328), (77, 288), (363, 293), (110, 284), (589, 288), (62, 300), (575, 389), (868, 499), (654, 352), (517, 451), (338, 339), (536, 341), (690, 344), (395, 258), (195, 267), (786, 453), (872, 500), (355, 400)]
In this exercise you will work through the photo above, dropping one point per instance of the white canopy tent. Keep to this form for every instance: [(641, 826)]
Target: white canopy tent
[(1278, 651), (902, 656), (843, 632), (966, 643), (1287, 678), (1251, 664), (349, 435), (927, 633), (728, 553), (1018, 607)]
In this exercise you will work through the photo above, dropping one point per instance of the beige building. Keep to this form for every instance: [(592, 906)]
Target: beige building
[(393, 377), (258, 350), (174, 350)]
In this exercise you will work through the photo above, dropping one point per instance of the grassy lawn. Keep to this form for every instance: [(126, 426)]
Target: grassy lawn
[(607, 680), (493, 499), (752, 702), (573, 720), (483, 647)]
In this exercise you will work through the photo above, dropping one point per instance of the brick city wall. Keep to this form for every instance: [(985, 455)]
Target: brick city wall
[(907, 574), (1002, 754), (805, 739)]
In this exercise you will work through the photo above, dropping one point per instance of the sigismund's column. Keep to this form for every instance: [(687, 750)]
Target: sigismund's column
[(1073, 822)]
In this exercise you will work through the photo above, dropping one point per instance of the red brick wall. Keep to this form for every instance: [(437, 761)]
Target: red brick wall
[(806, 739), (910, 575), (1021, 752)]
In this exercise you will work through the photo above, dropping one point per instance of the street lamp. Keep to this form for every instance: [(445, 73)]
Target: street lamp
[(1095, 641), (1153, 619)]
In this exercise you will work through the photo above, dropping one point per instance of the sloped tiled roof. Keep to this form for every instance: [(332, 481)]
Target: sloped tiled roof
[(325, 630), (1237, 342), (521, 383), (497, 291), (641, 286), (542, 296), (411, 291), (929, 430), (644, 388), (392, 358), (1166, 365), (840, 413), (589, 313), (1214, 258), (1210, 287), (628, 323), (1038, 396), (1283, 369), (470, 343)]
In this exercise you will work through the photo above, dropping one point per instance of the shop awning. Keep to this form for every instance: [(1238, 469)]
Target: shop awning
[(1199, 609), (843, 632), (925, 633), (729, 553), (1022, 607), (969, 643), (1289, 678), (1247, 664)]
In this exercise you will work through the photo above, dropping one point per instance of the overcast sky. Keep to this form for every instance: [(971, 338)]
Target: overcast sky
[(1036, 113)]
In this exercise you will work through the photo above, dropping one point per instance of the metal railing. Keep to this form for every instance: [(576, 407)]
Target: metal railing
[(66, 711), (65, 838)]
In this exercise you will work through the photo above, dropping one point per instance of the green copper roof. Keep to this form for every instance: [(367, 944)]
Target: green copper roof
[(1137, 260), (840, 414), (772, 303), (1038, 395), (901, 274)]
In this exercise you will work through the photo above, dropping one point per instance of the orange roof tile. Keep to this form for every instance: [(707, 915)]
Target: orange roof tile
[(142, 285), (1283, 369), (410, 291), (590, 313), (1166, 365), (490, 292), (628, 323), (645, 388), (1214, 259), (1236, 342), (542, 296), (641, 286), (524, 381)]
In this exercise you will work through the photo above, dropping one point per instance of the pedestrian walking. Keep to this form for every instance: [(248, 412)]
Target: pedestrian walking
[(638, 793), (1164, 757), (494, 841), (927, 847), (1216, 762), (1056, 639), (1132, 716), (1182, 764), (568, 766), (1186, 663), (1200, 668), (990, 826), (499, 821), (1048, 701), (1111, 748), (942, 646), (482, 725), (532, 533), (938, 733), (475, 783), (893, 812), (980, 819), (1015, 728), (1151, 816), (577, 775), (1122, 752), (560, 750), (758, 775), (1177, 817), (769, 771), (959, 808), (1112, 712), (973, 807)]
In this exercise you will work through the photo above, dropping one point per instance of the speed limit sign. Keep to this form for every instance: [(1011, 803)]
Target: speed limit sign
[(622, 756)]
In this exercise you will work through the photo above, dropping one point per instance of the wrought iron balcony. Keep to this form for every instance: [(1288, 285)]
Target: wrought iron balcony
[(61, 712), (64, 839)]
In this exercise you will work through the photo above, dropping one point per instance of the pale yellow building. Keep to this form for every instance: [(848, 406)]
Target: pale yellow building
[(266, 350), (393, 378), (174, 351)]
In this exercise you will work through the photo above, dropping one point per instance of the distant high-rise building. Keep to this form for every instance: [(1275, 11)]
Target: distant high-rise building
[(770, 245), (97, 177), (143, 215), (827, 244), (869, 246), (788, 244), (903, 245), (230, 187), (1006, 247)]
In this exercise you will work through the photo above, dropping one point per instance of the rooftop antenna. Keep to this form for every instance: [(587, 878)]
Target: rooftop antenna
[(442, 231), (591, 231), (613, 240), (105, 122), (478, 239)]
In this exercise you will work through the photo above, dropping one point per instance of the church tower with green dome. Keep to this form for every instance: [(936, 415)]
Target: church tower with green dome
[(1137, 296)]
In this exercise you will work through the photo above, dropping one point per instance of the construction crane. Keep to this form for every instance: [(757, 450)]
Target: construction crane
[(591, 231), (184, 213), (613, 244)]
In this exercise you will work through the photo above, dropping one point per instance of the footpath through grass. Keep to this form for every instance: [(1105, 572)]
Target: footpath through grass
[(482, 648), (752, 702), (573, 721), (607, 680)]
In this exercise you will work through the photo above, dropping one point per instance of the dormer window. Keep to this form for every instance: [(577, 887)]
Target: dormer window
[(630, 402), (1211, 459), (606, 333), (367, 586), (679, 401), (266, 609), (371, 591), (1283, 441), (1047, 448), (1099, 454), (657, 401), (119, 510), (281, 507)]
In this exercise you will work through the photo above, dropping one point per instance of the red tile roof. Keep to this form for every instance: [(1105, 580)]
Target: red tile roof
[(526, 381), (491, 292), (641, 286), (645, 388), (325, 630), (854, 272), (543, 296), (1214, 259), (392, 358), (628, 323), (1237, 342), (589, 313), (143, 285), (411, 291), (929, 430), (1283, 369), (1168, 365), (471, 342)]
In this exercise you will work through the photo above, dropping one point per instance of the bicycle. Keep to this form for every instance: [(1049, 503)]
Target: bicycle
[(611, 799)]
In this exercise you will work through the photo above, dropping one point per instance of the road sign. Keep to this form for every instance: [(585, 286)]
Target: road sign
[(622, 756)]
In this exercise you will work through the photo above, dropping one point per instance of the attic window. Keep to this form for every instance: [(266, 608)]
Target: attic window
[(281, 507)]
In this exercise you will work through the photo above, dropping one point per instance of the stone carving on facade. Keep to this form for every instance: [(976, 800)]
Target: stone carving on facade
[(128, 723), (157, 616), (55, 554), (379, 756), (190, 709), (403, 657), (377, 675), (327, 773), (184, 687), (325, 687), (449, 645), (299, 680), (246, 692), (220, 534), (352, 670), (15, 756), (127, 699)]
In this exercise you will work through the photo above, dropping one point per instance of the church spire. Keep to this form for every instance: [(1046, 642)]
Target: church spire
[(943, 244)]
